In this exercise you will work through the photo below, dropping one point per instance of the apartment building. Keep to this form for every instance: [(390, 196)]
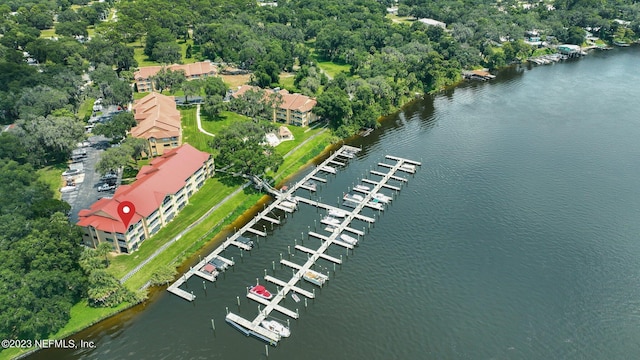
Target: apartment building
[(198, 70), (161, 190), (158, 123), (294, 109)]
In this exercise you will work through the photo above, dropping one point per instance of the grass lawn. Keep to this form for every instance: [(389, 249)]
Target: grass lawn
[(82, 316), (401, 19), (236, 80), (286, 82), (330, 67), (52, 176), (86, 108), (47, 33), (225, 120), (190, 132), (542, 51), (305, 153), (209, 195), (180, 250), (299, 136), (143, 60)]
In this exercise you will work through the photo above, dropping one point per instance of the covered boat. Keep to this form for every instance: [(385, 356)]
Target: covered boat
[(353, 198), (337, 213), (348, 239), (315, 277), (261, 291), (276, 327), (382, 198), (330, 221)]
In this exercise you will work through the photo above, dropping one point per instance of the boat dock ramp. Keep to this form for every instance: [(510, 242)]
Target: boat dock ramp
[(284, 201), (304, 271)]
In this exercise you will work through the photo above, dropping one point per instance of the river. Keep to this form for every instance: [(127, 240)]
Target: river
[(518, 238)]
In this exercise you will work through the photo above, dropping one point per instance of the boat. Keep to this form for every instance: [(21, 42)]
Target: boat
[(363, 188), (219, 264), (261, 291), (288, 205), (329, 169), (295, 297), (330, 228), (315, 277), (348, 239), (408, 168), (353, 198), (382, 198), (330, 221), (310, 185), (337, 213), (276, 327)]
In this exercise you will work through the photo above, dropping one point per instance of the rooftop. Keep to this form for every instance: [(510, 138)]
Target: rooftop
[(165, 175), (198, 68), (157, 117)]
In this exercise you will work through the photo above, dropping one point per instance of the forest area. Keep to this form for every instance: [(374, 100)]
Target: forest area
[(79, 51)]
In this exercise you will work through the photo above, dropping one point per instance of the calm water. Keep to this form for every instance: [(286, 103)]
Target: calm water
[(517, 239)]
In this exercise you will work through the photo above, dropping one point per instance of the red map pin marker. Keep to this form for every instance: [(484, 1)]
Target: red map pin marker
[(126, 209)]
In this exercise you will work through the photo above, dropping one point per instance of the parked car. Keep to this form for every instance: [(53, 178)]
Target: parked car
[(71, 172), (108, 176), (106, 187)]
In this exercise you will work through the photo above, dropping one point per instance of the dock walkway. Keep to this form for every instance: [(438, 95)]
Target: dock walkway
[(313, 255)]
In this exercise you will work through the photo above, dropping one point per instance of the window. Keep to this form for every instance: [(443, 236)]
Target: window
[(124, 250)]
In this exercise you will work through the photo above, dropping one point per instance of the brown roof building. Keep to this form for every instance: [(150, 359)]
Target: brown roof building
[(294, 109), (193, 71), (158, 123)]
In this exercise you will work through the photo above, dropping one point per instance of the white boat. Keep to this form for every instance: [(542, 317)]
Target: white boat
[(276, 327), (330, 221), (382, 198), (348, 239), (408, 168), (328, 169), (363, 188), (315, 277), (288, 205), (295, 297), (330, 228), (337, 213), (353, 198)]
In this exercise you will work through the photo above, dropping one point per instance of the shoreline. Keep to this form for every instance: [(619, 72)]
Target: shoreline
[(156, 291)]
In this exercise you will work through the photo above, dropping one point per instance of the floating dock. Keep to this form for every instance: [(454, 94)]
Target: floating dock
[(283, 201), (302, 271)]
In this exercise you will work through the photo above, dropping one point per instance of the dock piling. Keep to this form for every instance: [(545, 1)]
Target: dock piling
[(213, 324), (238, 299)]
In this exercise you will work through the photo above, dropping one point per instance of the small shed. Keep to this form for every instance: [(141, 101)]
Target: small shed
[(284, 133)]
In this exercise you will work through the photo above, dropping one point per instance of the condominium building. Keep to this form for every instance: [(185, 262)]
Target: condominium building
[(198, 70), (294, 109), (161, 190), (158, 123)]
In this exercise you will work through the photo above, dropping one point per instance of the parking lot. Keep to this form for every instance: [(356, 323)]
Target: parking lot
[(87, 183)]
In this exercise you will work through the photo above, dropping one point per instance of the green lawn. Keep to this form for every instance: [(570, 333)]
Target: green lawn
[(86, 108), (225, 120), (52, 176), (143, 60), (303, 155), (211, 193), (47, 33), (401, 19), (330, 67), (287, 83), (197, 237), (190, 132), (299, 134)]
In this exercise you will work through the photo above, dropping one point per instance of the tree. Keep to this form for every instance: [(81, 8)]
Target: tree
[(213, 105), (113, 159), (166, 52), (104, 249), (72, 28), (168, 79), (156, 35), (333, 104), (163, 275), (242, 148), (116, 128), (52, 137), (191, 88), (215, 86), (138, 147)]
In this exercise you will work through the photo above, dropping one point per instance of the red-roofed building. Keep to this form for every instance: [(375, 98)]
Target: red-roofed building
[(160, 191), (158, 123), (294, 109), (193, 71)]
